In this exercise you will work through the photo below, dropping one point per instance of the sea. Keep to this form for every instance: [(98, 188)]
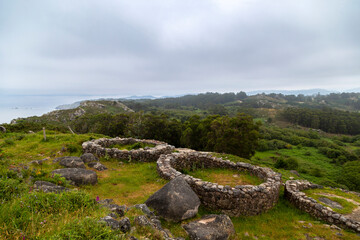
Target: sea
[(20, 106)]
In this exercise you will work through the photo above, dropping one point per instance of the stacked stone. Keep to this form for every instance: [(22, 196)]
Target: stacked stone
[(233, 201), (100, 147), (293, 192)]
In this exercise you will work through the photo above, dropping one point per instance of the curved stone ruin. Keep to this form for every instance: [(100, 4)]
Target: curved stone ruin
[(293, 192), (234, 201), (101, 148)]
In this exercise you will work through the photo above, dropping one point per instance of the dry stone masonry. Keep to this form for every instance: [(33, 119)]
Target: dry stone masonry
[(293, 192), (234, 201), (101, 148)]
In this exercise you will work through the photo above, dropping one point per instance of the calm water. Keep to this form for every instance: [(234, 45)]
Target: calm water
[(12, 107)]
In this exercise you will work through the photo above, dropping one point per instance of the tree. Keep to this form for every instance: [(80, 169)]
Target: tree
[(238, 135)]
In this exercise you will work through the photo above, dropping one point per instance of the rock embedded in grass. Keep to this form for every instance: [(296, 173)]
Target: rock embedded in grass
[(89, 157), (125, 225), (210, 227), (111, 222), (48, 187), (78, 176), (71, 162), (176, 201)]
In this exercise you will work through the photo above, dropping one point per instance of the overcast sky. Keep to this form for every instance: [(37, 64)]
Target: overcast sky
[(174, 47)]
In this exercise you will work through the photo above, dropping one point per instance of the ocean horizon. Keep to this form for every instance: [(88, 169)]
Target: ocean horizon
[(21, 106)]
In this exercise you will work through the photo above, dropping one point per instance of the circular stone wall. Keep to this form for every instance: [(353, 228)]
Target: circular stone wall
[(234, 201), (101, 148), (293, 192)]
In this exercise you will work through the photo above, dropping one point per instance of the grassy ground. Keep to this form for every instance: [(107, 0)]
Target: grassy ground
[(337, 196), (226, 177), (132, 146), (126, 183)]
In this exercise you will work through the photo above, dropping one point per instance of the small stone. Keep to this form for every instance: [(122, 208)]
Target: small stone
[(246, 234), (97, 166), (113, 215), (335, 227)]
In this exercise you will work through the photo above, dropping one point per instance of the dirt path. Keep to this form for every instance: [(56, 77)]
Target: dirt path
[(355, 214)]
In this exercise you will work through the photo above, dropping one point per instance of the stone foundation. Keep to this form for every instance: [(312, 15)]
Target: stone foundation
[(293, 192), (100, 147), (233, 201)]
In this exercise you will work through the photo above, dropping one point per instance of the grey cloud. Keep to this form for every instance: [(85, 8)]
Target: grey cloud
[(165, 47)]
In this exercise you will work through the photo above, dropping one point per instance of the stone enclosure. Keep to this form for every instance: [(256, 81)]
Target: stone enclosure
[(293, 192), (234, 201), (101, 147)]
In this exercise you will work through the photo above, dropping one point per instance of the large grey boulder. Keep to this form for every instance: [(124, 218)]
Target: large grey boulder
[(72, 162), (49, 187), (176, 201), (77, 176), (89, 157), (210, 227)]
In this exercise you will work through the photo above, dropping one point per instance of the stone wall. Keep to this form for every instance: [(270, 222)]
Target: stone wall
[(234, 201), (101, 147), (293, 192)]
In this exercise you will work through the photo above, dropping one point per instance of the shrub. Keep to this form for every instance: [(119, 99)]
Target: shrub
[(292, 163), (307, 153), (9, 141), (280, 163), (357, 152), (73, 148), (350, 175), (316, 172), (288, 163)]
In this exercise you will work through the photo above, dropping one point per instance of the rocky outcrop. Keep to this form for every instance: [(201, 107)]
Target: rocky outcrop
[(49, 187), (233, 201), (293, 192), (119, 211), (210, 227), (101, 147), (176, 201), (77, 176), (123, 225), (71, 162)]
